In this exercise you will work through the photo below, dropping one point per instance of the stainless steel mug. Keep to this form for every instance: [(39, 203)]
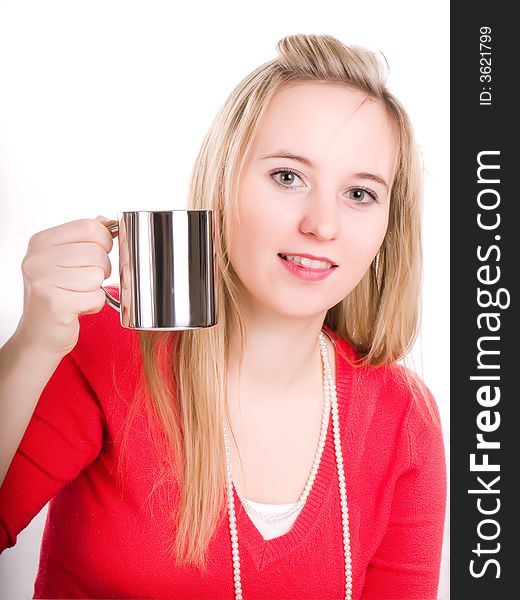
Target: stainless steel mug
[(167, 269)]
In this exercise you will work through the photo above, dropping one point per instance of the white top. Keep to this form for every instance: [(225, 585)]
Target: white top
[(272, 530)]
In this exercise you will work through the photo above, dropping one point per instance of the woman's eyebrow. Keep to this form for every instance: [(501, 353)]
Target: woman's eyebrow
[(308, 162), (372, 177), (286, 154)]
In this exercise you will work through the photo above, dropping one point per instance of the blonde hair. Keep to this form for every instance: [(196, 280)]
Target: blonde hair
[(183, 380)]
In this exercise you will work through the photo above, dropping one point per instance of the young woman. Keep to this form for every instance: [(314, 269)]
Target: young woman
[(282, 453)]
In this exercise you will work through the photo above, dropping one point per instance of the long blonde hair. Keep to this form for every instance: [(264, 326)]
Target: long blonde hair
[(183, 380)]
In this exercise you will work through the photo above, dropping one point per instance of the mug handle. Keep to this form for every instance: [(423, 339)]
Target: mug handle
[(110, 300)]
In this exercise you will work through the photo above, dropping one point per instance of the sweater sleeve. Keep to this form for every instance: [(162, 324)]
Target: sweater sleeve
[(407, 562), (65, 434)]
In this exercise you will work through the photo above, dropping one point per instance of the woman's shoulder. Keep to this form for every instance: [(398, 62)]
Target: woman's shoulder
[(394, 391)]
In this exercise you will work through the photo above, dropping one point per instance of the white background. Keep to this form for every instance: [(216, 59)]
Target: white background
[(104, 104)]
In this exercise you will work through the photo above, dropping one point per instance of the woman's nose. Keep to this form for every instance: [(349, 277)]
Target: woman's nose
[(321, 216)]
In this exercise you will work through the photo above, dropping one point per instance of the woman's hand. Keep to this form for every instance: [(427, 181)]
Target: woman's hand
[(63, 271)]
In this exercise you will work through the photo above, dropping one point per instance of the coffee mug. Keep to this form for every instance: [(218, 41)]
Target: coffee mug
[(167, 269)]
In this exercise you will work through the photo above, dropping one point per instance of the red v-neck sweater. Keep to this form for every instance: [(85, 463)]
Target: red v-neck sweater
[(101, 541)]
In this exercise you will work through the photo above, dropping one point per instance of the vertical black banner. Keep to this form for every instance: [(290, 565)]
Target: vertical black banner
[(485, 360)]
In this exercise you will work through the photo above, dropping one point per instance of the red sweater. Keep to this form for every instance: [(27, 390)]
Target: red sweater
[(104, 541)]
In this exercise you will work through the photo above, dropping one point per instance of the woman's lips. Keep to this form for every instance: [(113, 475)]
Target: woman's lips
[(305, 273), (310, 256)]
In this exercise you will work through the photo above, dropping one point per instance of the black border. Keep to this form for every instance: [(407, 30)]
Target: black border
[(477, 128)]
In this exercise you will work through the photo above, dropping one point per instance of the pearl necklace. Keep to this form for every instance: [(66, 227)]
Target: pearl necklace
[(310, 481), (330, 398)]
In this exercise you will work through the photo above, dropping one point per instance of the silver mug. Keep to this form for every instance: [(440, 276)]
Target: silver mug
[(167, 269)]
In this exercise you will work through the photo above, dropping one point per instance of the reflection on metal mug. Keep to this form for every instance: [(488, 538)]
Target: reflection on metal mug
[(167, 269)]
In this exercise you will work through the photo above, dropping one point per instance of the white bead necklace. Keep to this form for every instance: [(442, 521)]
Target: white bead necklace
[(310, 481), (330, 398)]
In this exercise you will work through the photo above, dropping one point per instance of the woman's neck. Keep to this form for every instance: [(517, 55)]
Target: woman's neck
[(281, 356)]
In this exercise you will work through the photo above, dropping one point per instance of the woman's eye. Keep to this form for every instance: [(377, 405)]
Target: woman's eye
[(286, 178), (362, 196)]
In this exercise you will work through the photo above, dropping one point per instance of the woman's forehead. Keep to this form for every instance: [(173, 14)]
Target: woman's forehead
[(325, 122)]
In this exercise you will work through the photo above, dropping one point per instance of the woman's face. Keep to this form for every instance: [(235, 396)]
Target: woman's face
[(329, 201)]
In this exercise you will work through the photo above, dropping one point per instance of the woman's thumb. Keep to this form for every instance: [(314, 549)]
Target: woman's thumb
[(101, 218)]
